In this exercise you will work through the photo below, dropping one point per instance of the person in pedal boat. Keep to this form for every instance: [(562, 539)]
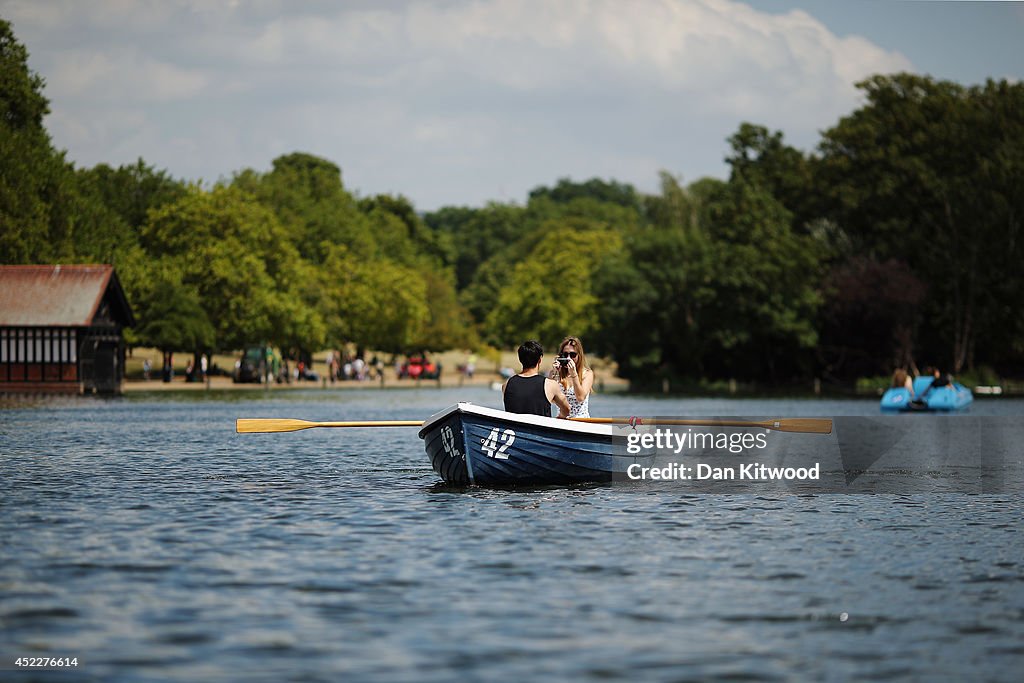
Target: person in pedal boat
[(573, 375), (940, 381), (530, 392), (901, 380)]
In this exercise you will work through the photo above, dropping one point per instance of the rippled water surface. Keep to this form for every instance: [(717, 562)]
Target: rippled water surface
[(146, 538)]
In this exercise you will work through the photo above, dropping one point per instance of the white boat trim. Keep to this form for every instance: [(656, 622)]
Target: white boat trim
[(601, 430)]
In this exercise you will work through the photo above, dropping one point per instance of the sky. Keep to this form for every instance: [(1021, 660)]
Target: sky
[(461, 102)]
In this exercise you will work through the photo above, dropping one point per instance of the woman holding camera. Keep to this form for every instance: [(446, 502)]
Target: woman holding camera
[(570, 370)]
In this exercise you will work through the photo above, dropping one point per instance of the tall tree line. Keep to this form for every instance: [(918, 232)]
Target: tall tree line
[(896, 241)]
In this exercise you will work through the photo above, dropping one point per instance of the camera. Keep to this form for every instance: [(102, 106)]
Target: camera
[(563, 361)]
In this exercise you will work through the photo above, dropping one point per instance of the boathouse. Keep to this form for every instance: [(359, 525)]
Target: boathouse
[(61, 329)]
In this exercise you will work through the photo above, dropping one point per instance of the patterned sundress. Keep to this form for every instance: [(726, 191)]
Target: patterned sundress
[(576, 409)]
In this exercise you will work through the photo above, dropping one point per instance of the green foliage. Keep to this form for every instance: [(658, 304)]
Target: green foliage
[(766, 278), (722, 288), (478, 234), (82, 228), (870, 314), (171, 314), (30, 174), (380, 305), (240, 262), (652, 298), (130, 191), (900, 240), (761, 159), (30, 169), (371, 272), (595, 190), (307, 196), (929, 172), (22, 105), (403, 236), (494, 247), (47, 214), (550, 293), (449, 325)]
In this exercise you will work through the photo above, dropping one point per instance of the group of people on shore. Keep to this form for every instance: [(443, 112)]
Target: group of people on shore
[(346, 366), (567, 385)]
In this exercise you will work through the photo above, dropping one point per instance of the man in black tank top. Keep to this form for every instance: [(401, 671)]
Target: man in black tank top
[(530, 392)]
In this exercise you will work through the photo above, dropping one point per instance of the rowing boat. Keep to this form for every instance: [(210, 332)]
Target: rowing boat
[(470, 444)]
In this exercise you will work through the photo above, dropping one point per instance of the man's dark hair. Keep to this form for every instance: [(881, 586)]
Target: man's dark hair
[(530, 353)]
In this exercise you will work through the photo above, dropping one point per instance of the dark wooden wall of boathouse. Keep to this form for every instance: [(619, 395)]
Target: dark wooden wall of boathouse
[(61, 329)]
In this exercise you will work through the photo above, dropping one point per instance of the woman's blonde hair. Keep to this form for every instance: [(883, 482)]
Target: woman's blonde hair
[(581, 358)]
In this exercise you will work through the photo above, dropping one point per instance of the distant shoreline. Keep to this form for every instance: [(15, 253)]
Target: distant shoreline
[(220, 383)]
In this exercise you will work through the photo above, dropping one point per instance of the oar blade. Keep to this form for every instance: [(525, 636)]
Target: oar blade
[(805, 425), (270, 425)]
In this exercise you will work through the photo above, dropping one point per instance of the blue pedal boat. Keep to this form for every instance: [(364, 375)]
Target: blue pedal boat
[(470, 444), (952, 397)]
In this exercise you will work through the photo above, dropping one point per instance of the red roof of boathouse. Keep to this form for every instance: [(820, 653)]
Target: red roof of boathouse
[(60, 296)]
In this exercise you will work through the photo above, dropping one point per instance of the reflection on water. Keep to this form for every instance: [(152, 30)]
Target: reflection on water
[(145, 537)]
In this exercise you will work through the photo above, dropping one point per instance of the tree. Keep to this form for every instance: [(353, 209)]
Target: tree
[(869, 317), (477, 235), (130, 191), (30, 169), (405, 237), (595, 189), (654, 290), (47, 215), (930, 172), (379, 305), (720, 287), (551, 292), (762, 159), (306, 194), (171, 314), (652, 298), (22, 105), (238, 258), (449, 325), (766, 282)]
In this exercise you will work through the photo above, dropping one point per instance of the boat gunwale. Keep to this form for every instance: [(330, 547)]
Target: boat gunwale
[(551, 423)]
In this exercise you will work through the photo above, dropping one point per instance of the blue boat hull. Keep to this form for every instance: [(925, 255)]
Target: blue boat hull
[(953, 397), (469, 444)]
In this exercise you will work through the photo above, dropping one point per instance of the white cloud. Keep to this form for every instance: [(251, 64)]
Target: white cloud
[(121, 75), (486, 93)]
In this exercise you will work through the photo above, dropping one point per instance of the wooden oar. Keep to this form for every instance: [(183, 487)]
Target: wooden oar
[(259, 425), (806, 425)]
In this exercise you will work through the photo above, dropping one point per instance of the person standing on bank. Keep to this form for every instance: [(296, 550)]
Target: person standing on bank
[(530, 392), (573, 375)]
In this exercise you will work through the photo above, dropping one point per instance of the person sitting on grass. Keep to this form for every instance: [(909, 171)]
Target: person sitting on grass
[(530, 392)]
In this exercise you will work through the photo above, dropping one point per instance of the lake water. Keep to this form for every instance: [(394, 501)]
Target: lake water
[(144, 537)]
